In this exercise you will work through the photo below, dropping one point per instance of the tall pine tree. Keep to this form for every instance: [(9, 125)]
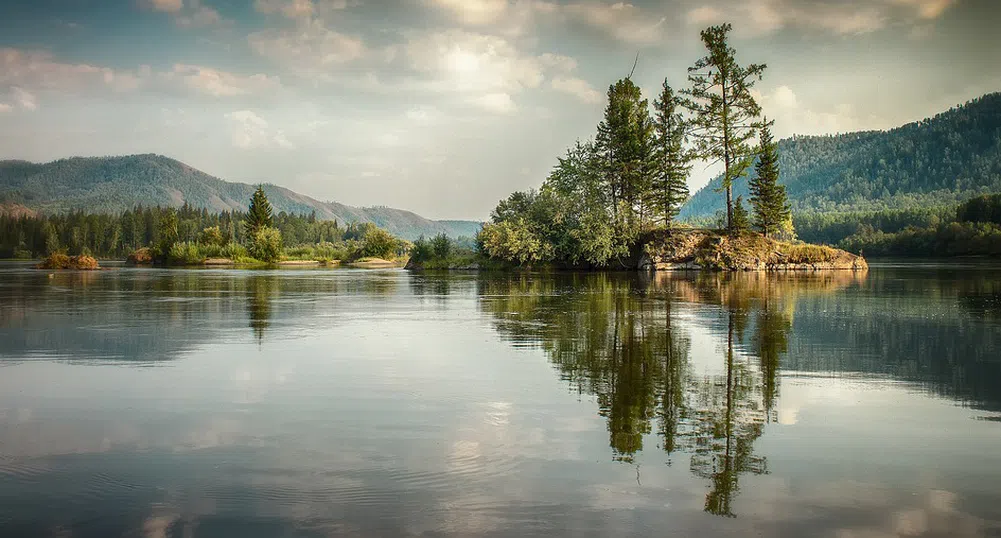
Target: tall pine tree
[(623, 142), (259, 212), (724, 112), (669, 186), (768, 198)]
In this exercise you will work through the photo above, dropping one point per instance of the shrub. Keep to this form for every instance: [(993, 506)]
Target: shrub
[(378, 244), (62, 261), (421, 250), (141, 256), (185, 253), (211, 236), (441, 247), (266, 244)]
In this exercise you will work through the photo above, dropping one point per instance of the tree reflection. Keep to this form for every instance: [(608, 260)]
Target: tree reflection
[(618, 337), (261, 291)]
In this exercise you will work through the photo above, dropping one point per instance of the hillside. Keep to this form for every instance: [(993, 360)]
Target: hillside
[(941, 160), (113, 184)]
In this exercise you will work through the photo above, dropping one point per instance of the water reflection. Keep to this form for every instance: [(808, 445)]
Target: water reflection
[(621, 339), (261, 292)]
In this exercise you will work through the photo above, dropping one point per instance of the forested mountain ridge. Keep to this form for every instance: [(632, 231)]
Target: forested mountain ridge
[(114, 184), (937, 161)]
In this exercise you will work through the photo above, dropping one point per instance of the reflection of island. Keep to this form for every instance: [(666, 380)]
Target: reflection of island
[(617, 337)]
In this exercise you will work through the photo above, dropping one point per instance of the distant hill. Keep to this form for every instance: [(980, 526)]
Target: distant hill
[(937, 161), (113, 184)]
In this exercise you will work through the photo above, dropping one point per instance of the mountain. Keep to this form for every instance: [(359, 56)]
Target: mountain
[(113, 184), (941, 160)]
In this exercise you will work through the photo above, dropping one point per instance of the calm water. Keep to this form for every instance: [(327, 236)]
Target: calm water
[(378, 403)]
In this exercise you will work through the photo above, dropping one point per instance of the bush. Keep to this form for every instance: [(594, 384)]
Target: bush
[(421, 250), (185, 253), (62, 261), (441, 247), (211, 236), (266, 244), (378, 244), (142, 256)]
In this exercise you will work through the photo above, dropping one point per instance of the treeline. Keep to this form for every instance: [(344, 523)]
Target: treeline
[(971, 229), (117, 235), (605, 193), (939, 161)]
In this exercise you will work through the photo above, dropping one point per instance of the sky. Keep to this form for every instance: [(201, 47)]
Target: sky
[(444, 107)]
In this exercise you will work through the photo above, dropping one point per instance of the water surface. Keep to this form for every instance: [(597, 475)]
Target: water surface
[(145, 402)]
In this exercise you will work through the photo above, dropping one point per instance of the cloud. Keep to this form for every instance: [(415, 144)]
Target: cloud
[(461, 61), (502, 17), (199, 15), (579, 88), (310, 49), (167, 6), (792, 117), (497, 103), (250, 131), (40, 70), (4, 107), (849, 17), (216, 83), (474, 12), (622, 21), (24, 98)]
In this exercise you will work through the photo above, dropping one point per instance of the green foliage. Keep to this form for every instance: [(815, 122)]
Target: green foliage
[(952, 239), (933, 163), (211, 236), (440, 247), (986, 208), (259, 212), (672, 163), (185, 253), (378, 244), (624, 144), (421, 250), (266, 244), (166, 234), (768, 198), (724, 112), (516, 241), (739, 222)]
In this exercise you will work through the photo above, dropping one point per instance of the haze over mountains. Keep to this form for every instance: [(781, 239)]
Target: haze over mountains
[(114, 184), (937, 161)]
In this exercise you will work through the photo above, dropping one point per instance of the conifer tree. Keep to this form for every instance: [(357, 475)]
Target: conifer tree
[(669, 187), (739, 222), (259, 212), (768, 198), (623, 142), (724, 111)]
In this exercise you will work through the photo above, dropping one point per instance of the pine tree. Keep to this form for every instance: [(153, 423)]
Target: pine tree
[(771, 207), (259, 212), (669, 187), (739, 222), (624, 143), (724, 111)]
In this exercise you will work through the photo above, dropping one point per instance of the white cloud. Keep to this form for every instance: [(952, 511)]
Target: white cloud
[(623, 21), (250, 131), (463, 61), (502, 17), (4, 107), (168, 6), (310, 49), (199, 15), (840, 18), (474, 11), (24, 98), (216, 83), (558, 62), (579, 88), (497, 103)]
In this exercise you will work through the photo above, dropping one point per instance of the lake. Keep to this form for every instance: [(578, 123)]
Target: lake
[(312, 402)]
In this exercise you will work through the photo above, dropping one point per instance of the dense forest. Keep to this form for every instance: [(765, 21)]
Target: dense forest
[(112, 185), (117, 235), (940, 161)]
